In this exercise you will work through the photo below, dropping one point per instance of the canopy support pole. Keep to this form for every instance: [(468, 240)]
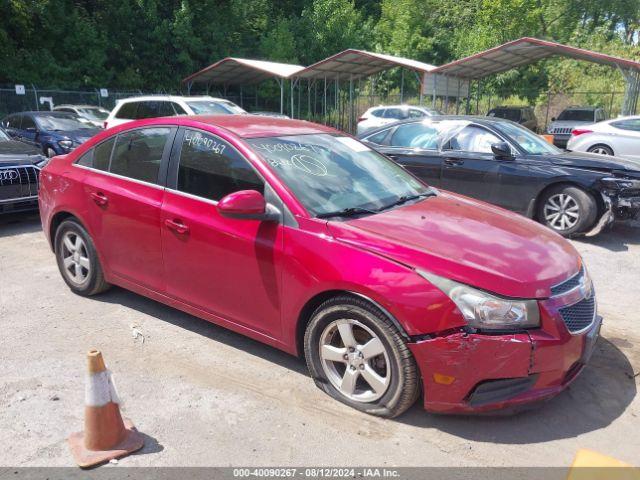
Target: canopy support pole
[(458, 98), (350, 123), (324, 108), (402, 85), (281, 83)]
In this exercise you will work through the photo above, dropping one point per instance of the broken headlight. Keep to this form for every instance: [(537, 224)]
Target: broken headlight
[(618, 183), (485, 311)]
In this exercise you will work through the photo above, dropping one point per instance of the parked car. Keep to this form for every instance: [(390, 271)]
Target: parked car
[(301, 237), (19, 170), (271, 114), (500, 162), (54, 133), (570, 118), (525, 116), (94, 116), (383, 115), (136, 108), (619, 136)]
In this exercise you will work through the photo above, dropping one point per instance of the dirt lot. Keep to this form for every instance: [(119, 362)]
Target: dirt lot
[(205, 396)]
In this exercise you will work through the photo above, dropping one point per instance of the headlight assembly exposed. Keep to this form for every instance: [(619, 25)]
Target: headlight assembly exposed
[(485, 311), (65, 143), (617, 183)]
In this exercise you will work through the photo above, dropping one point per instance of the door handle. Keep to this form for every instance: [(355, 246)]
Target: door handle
[(453, 162), (100, 198), (177, 226)]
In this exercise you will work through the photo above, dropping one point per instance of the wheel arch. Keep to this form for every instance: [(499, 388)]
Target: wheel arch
[(314, 302), (601, 144), (56, 221), (533, 211)]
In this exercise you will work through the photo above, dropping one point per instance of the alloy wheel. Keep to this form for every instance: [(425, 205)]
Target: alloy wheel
[(600, 151), (561, 212), (75, 258), (355, 360)]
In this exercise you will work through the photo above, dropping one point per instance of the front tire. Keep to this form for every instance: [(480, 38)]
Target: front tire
[(568, 210), (78, 260), (50, 152), (356, 355)]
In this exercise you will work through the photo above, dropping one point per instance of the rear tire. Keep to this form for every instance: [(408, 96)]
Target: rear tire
[(568, 210), (600, 149), (78, 260), (356, 355)]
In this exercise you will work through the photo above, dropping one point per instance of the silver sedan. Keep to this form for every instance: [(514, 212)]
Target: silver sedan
[(618, 136)]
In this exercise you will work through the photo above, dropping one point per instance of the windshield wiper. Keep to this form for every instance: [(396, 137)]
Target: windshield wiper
[(347, 212), (407, 198)]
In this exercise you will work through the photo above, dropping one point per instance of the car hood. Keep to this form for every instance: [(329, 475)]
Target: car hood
[(593, 161), (18, 153), (569, 123), (468, 241), (81, 135)]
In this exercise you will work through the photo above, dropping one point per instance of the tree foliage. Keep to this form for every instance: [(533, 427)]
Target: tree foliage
[(152, 44)]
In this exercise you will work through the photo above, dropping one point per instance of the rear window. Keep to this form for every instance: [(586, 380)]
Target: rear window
[(154, 109), (512, 114), (128, 111), (577, 115), (378, 112)]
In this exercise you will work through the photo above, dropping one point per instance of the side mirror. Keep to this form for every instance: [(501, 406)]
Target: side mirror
[(247, 205), (553, 119), (502, 151), (32, 130)]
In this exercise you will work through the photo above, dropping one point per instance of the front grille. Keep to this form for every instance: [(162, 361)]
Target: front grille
[(567, 285), (580, 315), (562, 130), (18, 182)]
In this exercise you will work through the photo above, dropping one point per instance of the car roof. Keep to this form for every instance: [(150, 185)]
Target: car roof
[(479, 119), (511, 107), (147, 98), (70, 105), (242, 125), (582, 108), (45, 113)]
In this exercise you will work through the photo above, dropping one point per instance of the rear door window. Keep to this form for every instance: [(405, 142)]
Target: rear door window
[(396, 113), (415, 135), (138, 153), (27, 123), (379, 113)]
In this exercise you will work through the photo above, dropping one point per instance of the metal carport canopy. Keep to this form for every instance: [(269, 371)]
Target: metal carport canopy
[(352, 63), (523, 52), (242, 71)]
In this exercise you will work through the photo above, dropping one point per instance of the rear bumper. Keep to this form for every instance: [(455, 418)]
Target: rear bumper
[(560, 140), (475, 373)]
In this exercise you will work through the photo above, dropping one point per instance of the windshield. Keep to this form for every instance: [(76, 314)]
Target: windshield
[(508, 113), (528, 141), (3, 136), (577, 115), (69, 123), (214, 107), (97, 114), (331, 173)]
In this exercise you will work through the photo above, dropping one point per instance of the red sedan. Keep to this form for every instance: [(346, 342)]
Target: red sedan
[(303, 238)]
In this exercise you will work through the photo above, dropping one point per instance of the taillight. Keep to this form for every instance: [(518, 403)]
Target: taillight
[(362, 119), (579, 131)]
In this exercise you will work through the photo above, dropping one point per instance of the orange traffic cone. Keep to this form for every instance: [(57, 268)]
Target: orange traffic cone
[(106, 435)]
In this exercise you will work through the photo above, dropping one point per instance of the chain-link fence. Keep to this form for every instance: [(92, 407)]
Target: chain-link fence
[(33, 98)]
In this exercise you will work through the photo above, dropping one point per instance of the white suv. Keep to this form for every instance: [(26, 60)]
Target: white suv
[(136, 108), (379, 116)]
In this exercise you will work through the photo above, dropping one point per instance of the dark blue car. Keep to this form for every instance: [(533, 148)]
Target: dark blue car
[(54, 133)]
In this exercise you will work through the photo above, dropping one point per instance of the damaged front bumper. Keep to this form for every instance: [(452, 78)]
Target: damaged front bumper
[(617, 206), (474, 373)]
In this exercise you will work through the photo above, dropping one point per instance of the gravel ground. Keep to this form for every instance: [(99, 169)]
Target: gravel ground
[(204, 396)]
